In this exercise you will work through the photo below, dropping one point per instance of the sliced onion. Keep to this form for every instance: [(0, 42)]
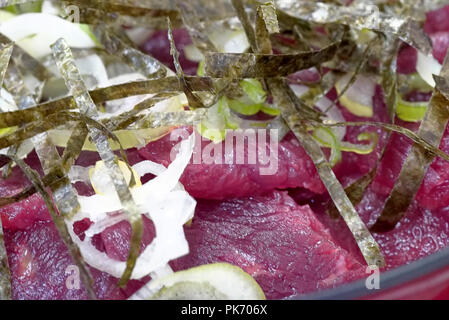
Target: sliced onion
[(7, 102), (358, 98), (119, 106), (161, 199), (410, 111), (5, 16), (334, 114), (327, 137), (79, 174), (139, 35), (426, 67), (168, 179), (230, 41), (148, 290), (225, 40), (49, 7), (93, 65), (193, 53), (35, 32), (102, 182), (91, 68)]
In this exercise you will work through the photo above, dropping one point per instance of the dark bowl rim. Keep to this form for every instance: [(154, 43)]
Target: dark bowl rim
[(388, 280)]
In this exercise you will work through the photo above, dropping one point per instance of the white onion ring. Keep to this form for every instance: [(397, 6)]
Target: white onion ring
[(162, 199)]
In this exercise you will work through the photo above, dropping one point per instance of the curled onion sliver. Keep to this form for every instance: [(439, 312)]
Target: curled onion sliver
[(162, 199)]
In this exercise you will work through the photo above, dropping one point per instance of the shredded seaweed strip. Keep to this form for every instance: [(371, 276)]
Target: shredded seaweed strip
[(250, 65), (33, 128), (194, 101), (126, 118), (66, 200), (133, 8), (5, 56), (147, 65), (60, 224), (266, 24), (217, 9), (5, 276), (194, 26), (368, 246), (129, 4), (356, 190), (430, 148), (361, 16), (289, 110), (15, 84), (389, 75), (64, 60), (99, 11), (63, 193), (239, 7), (155, 86), (26, 62), (419, 159), (155, 19), (163, 119)]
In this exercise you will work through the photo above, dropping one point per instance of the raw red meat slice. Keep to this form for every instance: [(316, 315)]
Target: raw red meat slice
[(282, 245), (437, 27), (116, 239), (437, 20), (38, 258), (20, 216), (393, 159), (440, 42), (420, 233), (221, 181), (39, 261), (407, 58), (305, 76), (425, 227), (295, 168), (434, 191)]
